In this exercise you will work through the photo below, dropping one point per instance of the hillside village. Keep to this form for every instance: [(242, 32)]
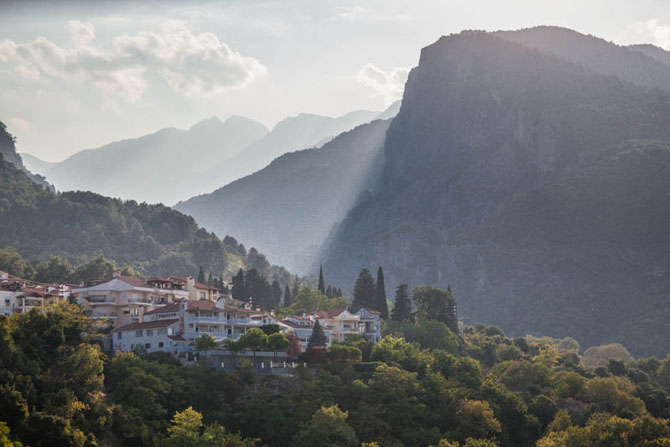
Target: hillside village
[(170, 314)]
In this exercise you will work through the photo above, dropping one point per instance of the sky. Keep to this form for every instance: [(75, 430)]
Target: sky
[(80, 74)]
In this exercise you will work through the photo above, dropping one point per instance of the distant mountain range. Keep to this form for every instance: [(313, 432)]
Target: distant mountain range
[(79, 226), (172, 164)]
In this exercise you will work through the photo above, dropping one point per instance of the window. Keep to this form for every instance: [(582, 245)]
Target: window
[(150, 332), (119, 335), (161, 331), (160, 344), (138, 333), (147, 345)]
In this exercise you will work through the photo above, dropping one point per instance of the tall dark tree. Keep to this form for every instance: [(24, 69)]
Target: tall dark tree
[(295, 290), (365, 292), (210, 279), (239, 290), (258, 289), (382, 305), (435, 304), (201, 275), (287, 296), (402, 308), (329, 291), (318, 337), (276, 294), (322, 284), (220, 284)]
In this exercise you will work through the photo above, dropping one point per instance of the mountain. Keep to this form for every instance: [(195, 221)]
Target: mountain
[(290, 206), (653, 51), (290, 134), (78, 226), (165, 166), (627, 63), (538, 188), (8, 152)]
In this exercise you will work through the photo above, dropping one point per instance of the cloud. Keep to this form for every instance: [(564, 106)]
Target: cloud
[(659, 33), (191, 64), (19, 123), (389, 85)]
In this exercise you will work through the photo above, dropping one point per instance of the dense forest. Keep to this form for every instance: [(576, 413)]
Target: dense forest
[(422, 385), (79, 226)]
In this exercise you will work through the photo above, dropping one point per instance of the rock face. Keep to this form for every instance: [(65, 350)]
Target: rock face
[(8, 152), (290, 206), (537, 188)]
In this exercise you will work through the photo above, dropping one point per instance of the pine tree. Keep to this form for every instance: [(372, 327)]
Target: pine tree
[(322, 284), (365, 292), (276, 294), (295, 290), (287, 296), (220, 284), (239, 291), (382, 305), (201, 275), (402, 308), (318, 337), (329, 291), (210, 279)]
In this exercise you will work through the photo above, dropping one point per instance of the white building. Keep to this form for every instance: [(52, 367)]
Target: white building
[(150, 336), (301, 328)]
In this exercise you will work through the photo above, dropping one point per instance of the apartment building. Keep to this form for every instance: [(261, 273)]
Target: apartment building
[(150, 336), (301, 328)]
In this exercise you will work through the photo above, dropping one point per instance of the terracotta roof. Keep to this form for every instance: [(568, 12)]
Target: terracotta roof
[(146, 325), (168, 308), (328, 313), (204, 305), (201, 286)]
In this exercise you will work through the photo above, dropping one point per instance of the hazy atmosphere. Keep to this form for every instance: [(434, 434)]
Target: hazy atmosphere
[(306, 223), (77, 75)]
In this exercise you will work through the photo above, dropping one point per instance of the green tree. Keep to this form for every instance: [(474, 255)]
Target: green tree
[(5, 440), (295, 290), (322, 285), (205, 343), (287, 296), (201, 275), (97, 268), (402, 308), (365, 292), (254, 339), (328, 428), (277, 342), (381, 304), (184, 430), (276, 294), (318, 337), (435, 304), (239, 290)]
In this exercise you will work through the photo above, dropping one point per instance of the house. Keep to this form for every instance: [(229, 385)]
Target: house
[(20, 296), (342, 323), (197, 290), (150, 336), (9, 290), (301, 328), (121, 300), (369, 324)]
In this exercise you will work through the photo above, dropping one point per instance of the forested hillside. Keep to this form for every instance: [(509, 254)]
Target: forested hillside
[(421, 386), (80, 225), (536, 187)]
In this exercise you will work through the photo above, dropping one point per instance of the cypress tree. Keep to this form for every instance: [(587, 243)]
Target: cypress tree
[(201, 275), (402, 309), (220, 284), (276, 294), (287, 296), (295, 290), (365, 292), (329, 291), (382, 305), (322, 284), (318, 337), (210, 279), (239, 291)]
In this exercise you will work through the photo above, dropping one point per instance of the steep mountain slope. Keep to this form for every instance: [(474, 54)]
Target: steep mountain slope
[(290, 206), (537, 188), (291, 134), (627, 63), (165, 166), (80, 225), (8, 152)]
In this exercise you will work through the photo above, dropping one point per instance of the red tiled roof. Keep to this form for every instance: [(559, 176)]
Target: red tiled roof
[(146, 325), (328, 313), (204, 305), (201, 286), (168, 308)]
